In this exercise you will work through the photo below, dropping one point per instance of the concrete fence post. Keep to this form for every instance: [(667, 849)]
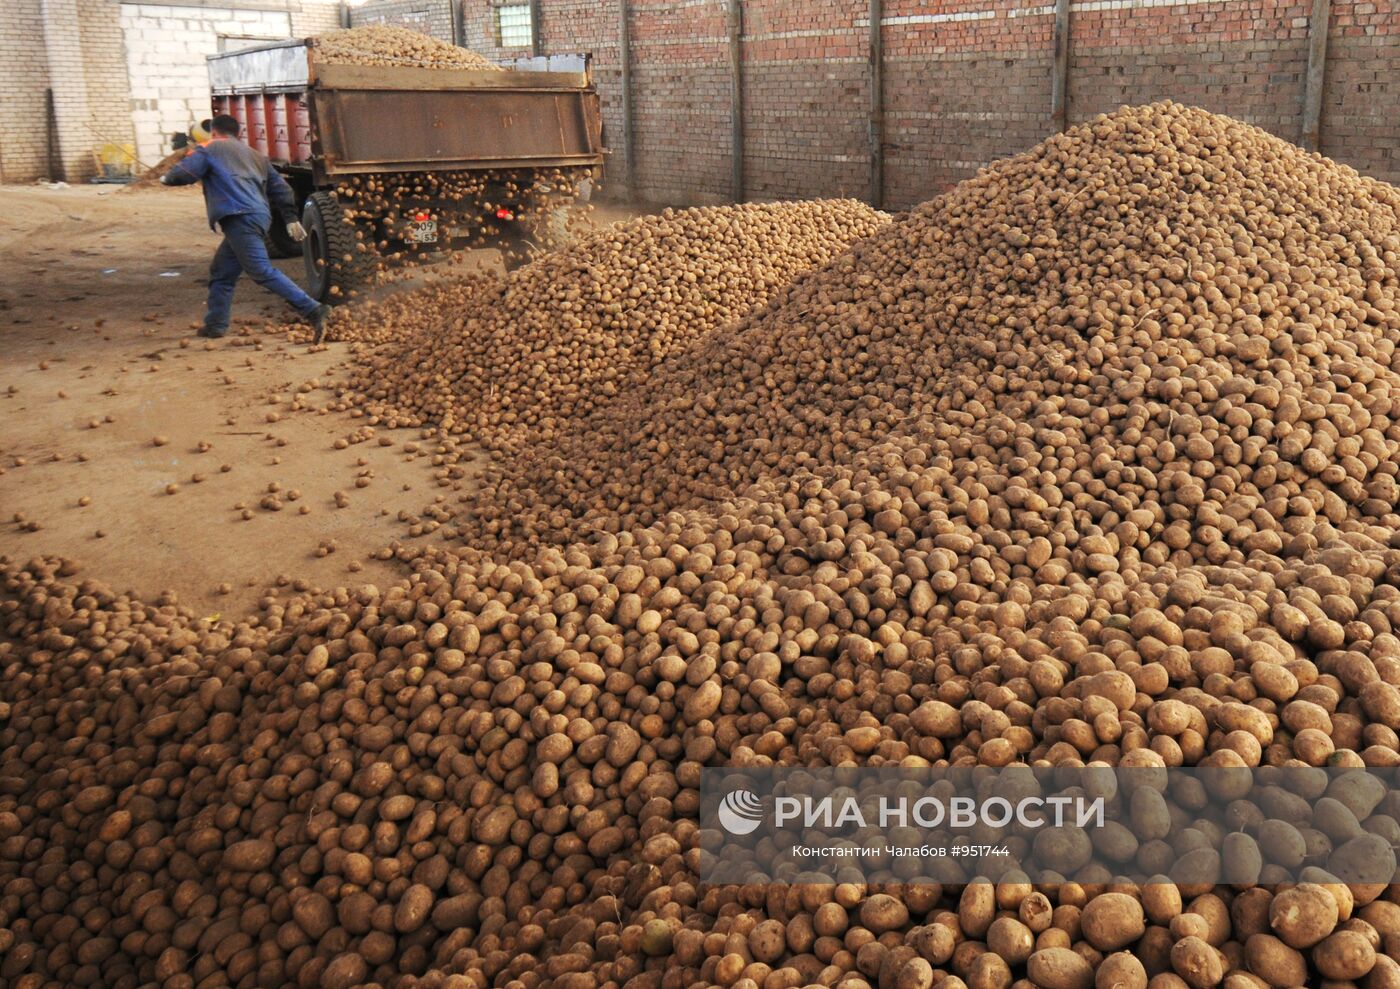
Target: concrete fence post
[(877, 105), (624, 58), (1059, 80), (735, 24), (1317, 74)]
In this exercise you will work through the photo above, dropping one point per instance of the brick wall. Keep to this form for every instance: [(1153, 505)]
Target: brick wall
[(966, 82), (1361, 99), (680, 99), (166, 47), (1247, 58), (104, 70), (479, 29), (433, 17), (806, 91), (24, 75), (68, 78), (121, 72)]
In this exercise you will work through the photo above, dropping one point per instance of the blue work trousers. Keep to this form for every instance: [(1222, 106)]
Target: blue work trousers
[(245, 250)]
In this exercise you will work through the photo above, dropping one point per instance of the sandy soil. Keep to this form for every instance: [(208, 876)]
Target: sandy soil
[(100, 293)]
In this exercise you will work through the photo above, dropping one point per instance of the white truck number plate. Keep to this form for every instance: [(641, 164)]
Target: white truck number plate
[(422, 232)]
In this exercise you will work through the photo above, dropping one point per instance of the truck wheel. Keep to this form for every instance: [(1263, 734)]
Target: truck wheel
[(333, 259)]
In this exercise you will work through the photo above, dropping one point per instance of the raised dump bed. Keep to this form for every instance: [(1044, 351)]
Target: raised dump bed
[(390, 162)]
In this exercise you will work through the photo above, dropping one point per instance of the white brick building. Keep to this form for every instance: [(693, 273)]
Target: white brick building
[(120, 73)]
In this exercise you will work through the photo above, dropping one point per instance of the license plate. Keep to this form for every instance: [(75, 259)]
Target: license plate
[(421, 232)]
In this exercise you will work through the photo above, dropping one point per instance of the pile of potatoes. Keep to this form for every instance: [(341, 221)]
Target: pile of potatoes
[(416, 312), (514, 367), (386, 45), (1163, 318), (1105, 526)]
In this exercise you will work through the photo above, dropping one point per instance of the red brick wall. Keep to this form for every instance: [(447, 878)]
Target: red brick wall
[(966, 82), (680, 99), (806, 99), (1247, 58), (1361, 98)]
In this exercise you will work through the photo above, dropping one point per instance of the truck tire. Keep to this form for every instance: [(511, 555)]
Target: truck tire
[(331, 251)]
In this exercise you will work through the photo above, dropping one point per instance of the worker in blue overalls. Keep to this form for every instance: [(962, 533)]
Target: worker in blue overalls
[(240, 189)]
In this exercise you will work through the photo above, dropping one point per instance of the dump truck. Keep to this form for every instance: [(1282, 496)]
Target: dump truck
[(392, 163)]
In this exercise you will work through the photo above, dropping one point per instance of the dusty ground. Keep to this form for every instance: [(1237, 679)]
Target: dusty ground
[(100, 293)]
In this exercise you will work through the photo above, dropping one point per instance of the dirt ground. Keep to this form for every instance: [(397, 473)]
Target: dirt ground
[(107, 398)]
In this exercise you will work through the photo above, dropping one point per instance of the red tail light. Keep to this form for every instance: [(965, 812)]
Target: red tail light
[(504, 214)]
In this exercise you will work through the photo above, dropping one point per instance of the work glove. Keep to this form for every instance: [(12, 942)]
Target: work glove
[(296, 231)]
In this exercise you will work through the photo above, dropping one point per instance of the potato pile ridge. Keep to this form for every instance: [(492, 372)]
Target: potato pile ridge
[(385, 45), (1162, 316), (568, 329)]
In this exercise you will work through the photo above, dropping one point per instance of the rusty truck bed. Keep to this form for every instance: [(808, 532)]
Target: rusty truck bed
[(350, 119)]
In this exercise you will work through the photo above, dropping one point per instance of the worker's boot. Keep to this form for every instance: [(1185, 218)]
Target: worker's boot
[(318, 322)]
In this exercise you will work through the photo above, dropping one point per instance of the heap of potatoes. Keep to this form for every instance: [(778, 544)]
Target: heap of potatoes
[(1012, 481), (513, 367), (387, 45), (398, 315), (1162, 318)]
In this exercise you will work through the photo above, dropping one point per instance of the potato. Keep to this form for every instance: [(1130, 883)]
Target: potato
[(1366, 864), (976, 908), (1120, 971), (345, 970), (1011, 940), (1244, 980), (988, 971), (1275, 962), (1384, 975), (1249, 913), (1383, 915), (883, 913), (768, 941), (1303, 915), (250, 856), (1059, 968), (1161, 899), (1112, 921), (1344, 955), (413, 908), (1216, 914), (934, 942), (1197, 963), (1036, 912)]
